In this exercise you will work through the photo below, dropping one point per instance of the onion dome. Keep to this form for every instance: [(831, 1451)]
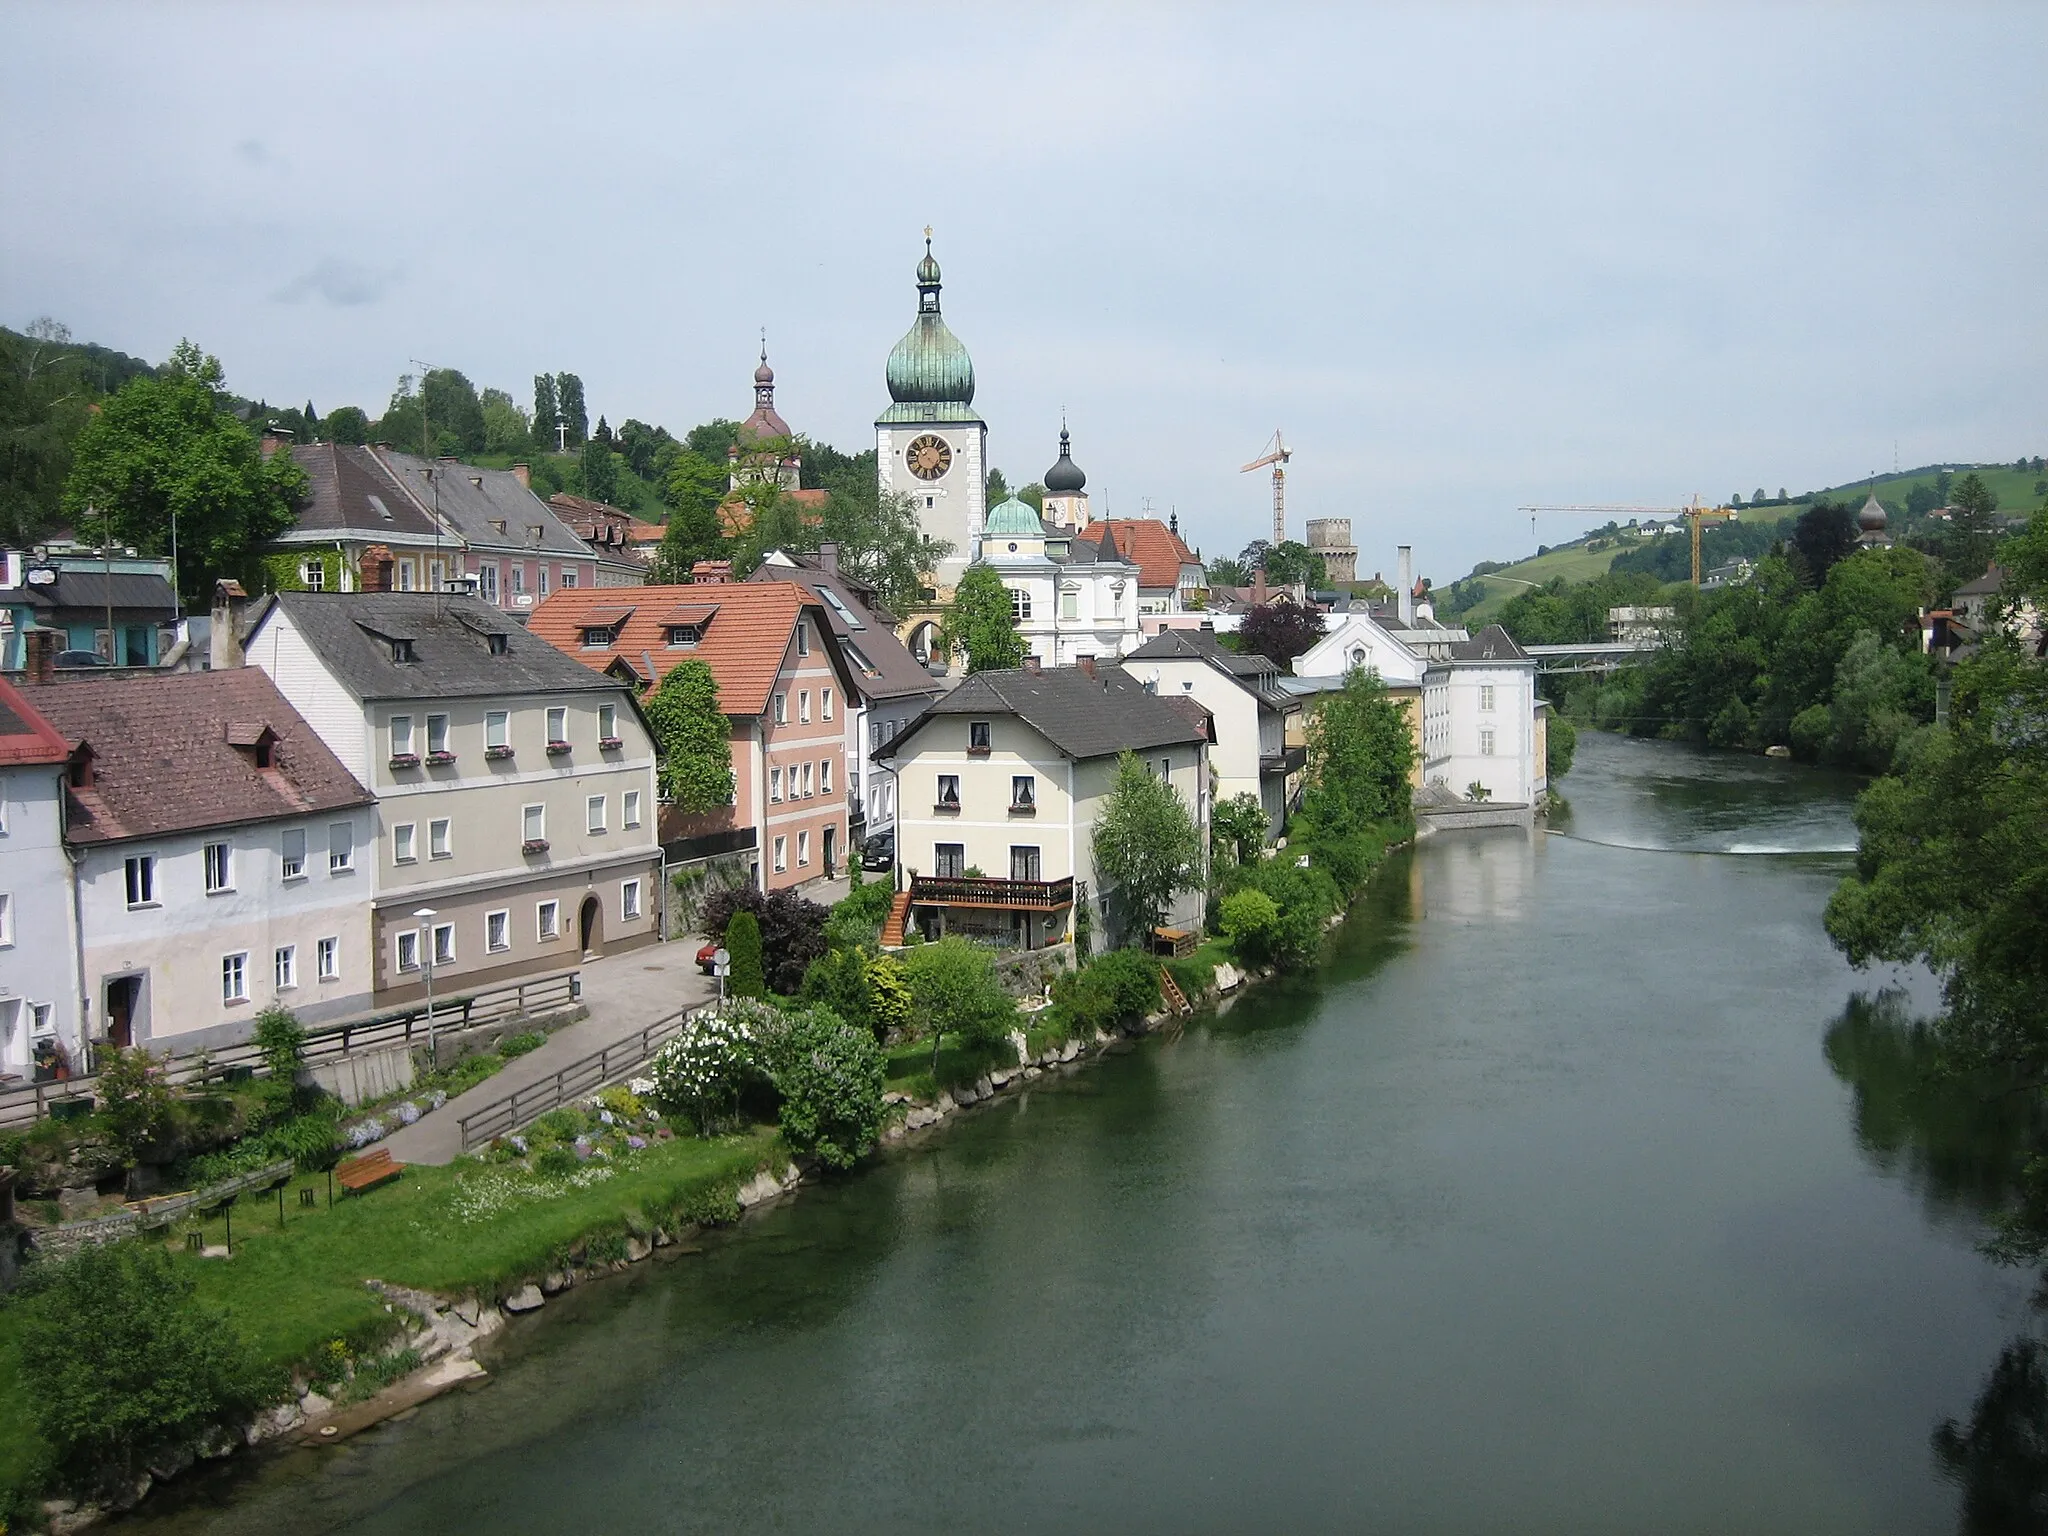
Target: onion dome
[(1012, 519), (1871, 519), (929, 365), (1065, 477)]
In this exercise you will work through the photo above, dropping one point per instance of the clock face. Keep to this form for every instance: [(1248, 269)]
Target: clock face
[(928, 457)]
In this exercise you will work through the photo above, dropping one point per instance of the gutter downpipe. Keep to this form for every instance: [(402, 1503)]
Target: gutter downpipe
[(1073, 814)]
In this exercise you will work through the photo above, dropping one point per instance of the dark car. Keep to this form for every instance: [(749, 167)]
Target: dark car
[(879, 851), (80, 659)]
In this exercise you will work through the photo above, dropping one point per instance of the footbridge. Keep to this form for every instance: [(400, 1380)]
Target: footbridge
[(1594, 655)]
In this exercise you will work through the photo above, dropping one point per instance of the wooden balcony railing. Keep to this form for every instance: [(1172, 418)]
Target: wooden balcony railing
[(979, 891)]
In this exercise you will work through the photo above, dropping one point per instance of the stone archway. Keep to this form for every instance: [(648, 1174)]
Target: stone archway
[(590, 927)]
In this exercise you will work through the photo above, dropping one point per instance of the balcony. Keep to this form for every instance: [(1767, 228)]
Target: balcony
[(1286, 760), (979, 891)]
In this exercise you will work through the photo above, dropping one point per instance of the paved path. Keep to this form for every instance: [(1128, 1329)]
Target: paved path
[(624, 994)]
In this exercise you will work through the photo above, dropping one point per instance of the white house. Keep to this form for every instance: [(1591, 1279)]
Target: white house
[(39, 991), (1082, 607), (1480, 722), (1242, 693), (220, 852)]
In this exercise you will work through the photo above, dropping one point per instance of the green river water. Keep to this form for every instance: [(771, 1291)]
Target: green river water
[(1579, 1193)]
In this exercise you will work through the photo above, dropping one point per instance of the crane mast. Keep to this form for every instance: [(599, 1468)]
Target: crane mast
[(1693, 513), (1277, 454)]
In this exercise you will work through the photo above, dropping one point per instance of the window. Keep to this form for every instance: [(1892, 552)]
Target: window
[(803, 849), (774, 785), (1166, 769), (543, 581), (825, 775), (803, 637), (6, 919), (1024, 864), (285, 965), (1486, 695), (401, 736), (1020, 604), (487, 581), (313, 576), (219, 871), (440, 839), (596, 637), (558, 725), (825, 703), (518, 579), (949, 860), (407, 577), (629, 808), (437, 734), (781, 854), (329, 953), (498, 930), (1070, 605), (408, 949), (444, 943), (437, 575), (568, 577), (1023, 792), (548, 920), (533, 823), (404, 838), (949, 790), (629, 900), (803, 706), (682, 636), (608, 722), (341, 848), (42, 1021), (874, 734), (293, 865), (979, 736), (234, 977), (1486, 743), (593, 809), (809, 782), (498, 731), (141, 871), (782, 709)]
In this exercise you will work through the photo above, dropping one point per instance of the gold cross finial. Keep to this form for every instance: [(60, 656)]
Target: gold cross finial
[(927, 234)]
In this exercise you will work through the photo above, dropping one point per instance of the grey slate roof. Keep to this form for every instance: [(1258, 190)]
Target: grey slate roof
[(473, 501), (1201, 645), (350, 493), (352, 632), (1082, 716), (1491, 644), (1991, 581), (127, 591)]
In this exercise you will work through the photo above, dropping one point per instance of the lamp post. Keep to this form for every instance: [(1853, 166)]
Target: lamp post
[(426, 916)]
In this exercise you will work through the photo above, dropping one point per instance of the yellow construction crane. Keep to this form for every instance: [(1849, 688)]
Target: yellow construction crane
[(1277, 454), (1695, 514)]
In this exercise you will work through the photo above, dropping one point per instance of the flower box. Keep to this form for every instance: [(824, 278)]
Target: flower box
[(405, 759), (1024, 809), (496, 754), (610, 743), (558, 749), (977, 751), (440, 759), (947, 808), (534, 845)]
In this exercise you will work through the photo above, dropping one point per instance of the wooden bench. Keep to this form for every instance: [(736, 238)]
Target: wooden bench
[(366, 1172)]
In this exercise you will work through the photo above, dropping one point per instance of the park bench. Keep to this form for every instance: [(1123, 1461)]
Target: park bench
[(366, 1172)]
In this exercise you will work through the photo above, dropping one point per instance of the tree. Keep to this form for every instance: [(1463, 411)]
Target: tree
[(1228, 573), (570, 409), (1238, 827), (1292, 563), (1250, 920), (981, 622), (996, 490), (165, 461), (830, 1076), (1147, 846), (1033, 496), (506, 429), (1280, 631), (1253, 556), (600, 471), (1360, 753), (791, 926), (693, 489), (547, 411), (881, 542), (603, 434), (1760, 497), (695, 739), (347, 424), (1971, 537), (1824, 534), (743, 946), (455, 416), (640, 445), (45, 399), (1560, 745), (123, 1363), (953, 987)]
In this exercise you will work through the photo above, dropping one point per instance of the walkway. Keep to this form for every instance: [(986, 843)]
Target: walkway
[(624, 993)]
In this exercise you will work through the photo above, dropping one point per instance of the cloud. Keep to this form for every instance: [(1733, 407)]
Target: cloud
[(253, 152), (344, 284)]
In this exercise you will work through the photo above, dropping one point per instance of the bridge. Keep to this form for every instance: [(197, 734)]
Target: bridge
[(1594, 655)]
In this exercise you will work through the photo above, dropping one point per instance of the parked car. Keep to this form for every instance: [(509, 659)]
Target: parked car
[(80, 659), (879, 851), (705, 957)]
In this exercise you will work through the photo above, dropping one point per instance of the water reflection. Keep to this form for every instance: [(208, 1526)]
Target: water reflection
[(1478, 877), (2000, 1463)]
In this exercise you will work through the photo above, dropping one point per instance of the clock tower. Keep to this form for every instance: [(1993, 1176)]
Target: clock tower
[(930, 444)]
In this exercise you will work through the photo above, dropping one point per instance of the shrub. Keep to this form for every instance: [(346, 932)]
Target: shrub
[(123, 1363), (830, 1076), (135, 1102), (743, 943), (857, 921), (282, 1040), (703, 1070), (563, 1124), (888, 996), (556, 1161), (953, 987), (1812, 729), (792, 929), (1123, 984), (1250, 920), (513, 1046), (838, 979), (1561, 744), (622, 1101)]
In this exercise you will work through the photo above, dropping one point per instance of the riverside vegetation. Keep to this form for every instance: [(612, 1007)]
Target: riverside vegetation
[(838, 1053)]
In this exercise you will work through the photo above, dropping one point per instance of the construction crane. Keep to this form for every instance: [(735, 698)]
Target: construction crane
[(1277, 454), (1695, 514)]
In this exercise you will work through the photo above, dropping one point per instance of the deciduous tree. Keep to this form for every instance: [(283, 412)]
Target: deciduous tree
[(1147, 846), (981, 622), (1280, 631), (1360, 753)]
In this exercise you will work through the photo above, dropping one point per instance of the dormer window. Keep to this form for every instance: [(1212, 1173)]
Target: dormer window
[(683, 636), (501, 645), (497, 525), (978, 737), (597, 637), (402, 652)]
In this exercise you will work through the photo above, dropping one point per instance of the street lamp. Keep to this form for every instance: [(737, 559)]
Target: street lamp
[(426, 915)]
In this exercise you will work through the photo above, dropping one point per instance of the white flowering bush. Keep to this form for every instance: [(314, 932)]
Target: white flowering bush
[(703, 1069)]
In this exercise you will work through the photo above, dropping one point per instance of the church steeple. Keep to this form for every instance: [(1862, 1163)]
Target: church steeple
[(764, 380), (929, 366)]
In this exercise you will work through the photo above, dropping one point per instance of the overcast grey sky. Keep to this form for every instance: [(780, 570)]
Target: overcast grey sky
[(1466, 256)]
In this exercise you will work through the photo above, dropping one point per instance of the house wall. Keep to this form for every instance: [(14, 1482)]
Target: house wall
[(1244, 730), (1453, 721), (39, 949), (284, 654), (1186, 768), (801, 821), (177, 945), (875, 727)]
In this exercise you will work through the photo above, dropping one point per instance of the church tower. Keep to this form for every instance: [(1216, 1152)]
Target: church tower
[(1066, 490), (930, 444), (747, 459)]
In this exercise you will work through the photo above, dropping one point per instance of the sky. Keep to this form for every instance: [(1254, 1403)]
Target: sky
[(1465, 256)]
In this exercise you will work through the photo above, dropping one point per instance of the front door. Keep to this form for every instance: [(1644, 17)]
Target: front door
[(590, 925), (831, 846), (122, 993)]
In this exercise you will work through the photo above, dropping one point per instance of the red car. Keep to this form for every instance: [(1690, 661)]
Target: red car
[(705, 957)]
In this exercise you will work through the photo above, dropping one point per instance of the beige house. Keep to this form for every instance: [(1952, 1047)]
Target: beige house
[(1260, 748), (1000, 784), (515, 787)]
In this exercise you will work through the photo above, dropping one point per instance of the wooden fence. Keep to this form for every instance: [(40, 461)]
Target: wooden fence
[(30, 1102), (576, 1080), (161, 1211)]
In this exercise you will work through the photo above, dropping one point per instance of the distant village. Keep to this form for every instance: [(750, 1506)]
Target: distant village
[(428, 762)]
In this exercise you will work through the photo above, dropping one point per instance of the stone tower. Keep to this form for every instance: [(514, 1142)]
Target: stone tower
[(1330, 537)]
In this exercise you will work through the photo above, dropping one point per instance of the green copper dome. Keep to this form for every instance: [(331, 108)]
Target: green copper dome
[(1012, 519), (929, 366)]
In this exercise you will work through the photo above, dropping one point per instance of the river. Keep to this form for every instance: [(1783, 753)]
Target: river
[(1576, 1195)]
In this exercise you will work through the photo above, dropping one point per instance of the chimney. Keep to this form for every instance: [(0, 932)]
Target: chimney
[(828, 556), (1087, 666), (1407, 587), (1259, 585), (274, 438), (1031, 665), (42, 654), (525, 474), (224, 638), (377, 566)]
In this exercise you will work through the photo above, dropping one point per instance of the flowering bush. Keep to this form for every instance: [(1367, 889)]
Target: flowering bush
[(702, 1070)]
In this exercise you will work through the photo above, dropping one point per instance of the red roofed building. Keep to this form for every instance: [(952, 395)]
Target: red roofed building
[(1167, 569), (784, 686)]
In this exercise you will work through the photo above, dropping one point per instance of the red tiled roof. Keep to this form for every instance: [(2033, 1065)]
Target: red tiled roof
[(743, 644), (1156, 548), (638, 532), (163, 760), (25, 736)]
